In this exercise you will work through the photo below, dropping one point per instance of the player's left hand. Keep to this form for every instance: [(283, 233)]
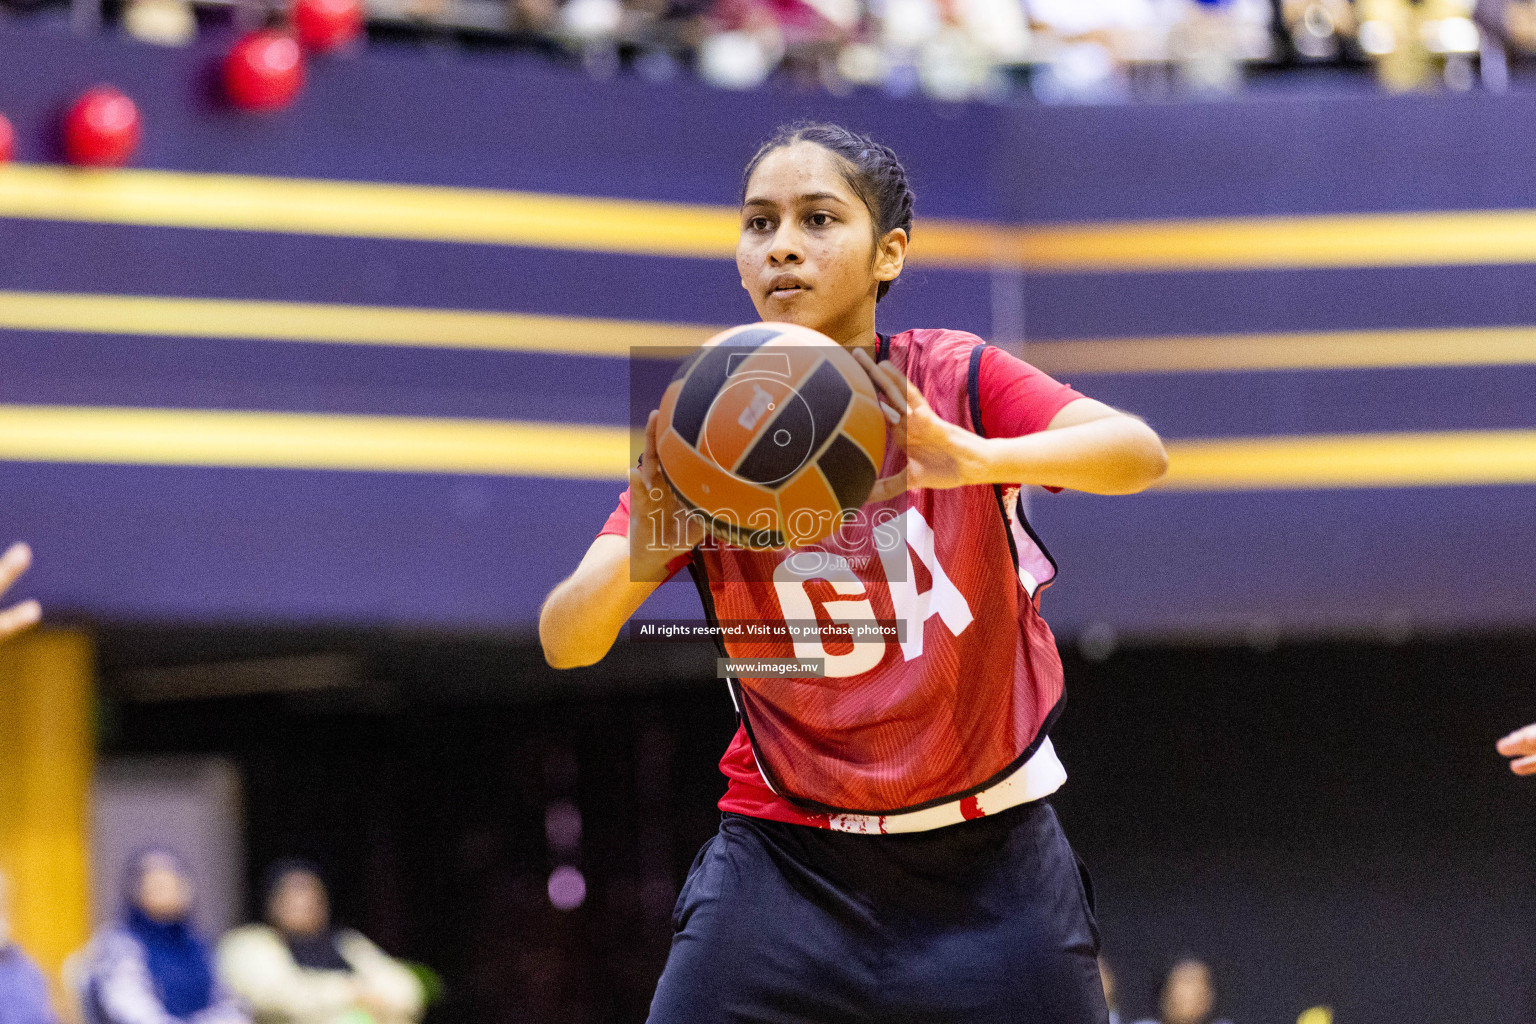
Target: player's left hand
[(1520, 745), (17, 617), (940, 454)]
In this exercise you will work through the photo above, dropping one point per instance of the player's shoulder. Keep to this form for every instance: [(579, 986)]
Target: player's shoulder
[(936, 341)]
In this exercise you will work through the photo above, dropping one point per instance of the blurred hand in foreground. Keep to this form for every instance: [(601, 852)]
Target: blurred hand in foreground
[(19, 616), (1521, 745)]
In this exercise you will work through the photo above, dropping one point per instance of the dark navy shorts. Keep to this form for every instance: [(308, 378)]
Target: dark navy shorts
[(982, 922)]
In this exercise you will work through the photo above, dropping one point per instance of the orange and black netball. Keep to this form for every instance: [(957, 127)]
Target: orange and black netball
[(772, 433)]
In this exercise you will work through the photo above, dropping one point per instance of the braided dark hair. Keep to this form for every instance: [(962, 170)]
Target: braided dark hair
[(873, 171)]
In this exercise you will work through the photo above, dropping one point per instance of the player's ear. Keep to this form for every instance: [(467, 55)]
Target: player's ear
[(890, 254)]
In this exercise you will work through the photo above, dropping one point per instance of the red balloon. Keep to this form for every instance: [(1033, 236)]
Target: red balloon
[(7, 140), (326, 24), (264, 71), (101, 129)]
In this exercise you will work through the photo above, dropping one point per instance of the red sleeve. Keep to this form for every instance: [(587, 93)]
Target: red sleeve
[(618, 524), (618, 520), (1016, 398)]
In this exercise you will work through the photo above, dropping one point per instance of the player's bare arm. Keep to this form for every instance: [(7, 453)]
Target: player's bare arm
[(582, 616), (1521, 746), (19, 616), (1088, 446)]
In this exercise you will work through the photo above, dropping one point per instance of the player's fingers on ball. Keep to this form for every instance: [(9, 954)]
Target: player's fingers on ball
[(899, 379), (889, 392), (642, 478), (888, 385), (14, 562), (888, 487), (651, 464), (910, 395), (18, 617), (1521, 741), (652, 428), (868, 366), (1523, 766)]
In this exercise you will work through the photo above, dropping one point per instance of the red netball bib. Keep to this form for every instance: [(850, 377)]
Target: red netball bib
[(948, 708)]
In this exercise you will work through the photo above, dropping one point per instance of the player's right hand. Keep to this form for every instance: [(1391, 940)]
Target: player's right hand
[(17, 617), (1520, 745), (665, 529)]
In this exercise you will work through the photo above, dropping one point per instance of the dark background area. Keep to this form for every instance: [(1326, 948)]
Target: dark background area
[(1326, 822)]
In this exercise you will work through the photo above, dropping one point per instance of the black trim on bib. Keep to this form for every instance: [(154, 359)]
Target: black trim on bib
[(973, 386)]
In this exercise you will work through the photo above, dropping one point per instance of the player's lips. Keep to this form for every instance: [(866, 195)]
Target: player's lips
[(786, 286)]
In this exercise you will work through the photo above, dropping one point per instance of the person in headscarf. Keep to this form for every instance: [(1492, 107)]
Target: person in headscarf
[(297, 969), (152, 967), (23, 989)]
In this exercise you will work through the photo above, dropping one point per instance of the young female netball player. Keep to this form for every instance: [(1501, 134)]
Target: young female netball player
[(885, 853)]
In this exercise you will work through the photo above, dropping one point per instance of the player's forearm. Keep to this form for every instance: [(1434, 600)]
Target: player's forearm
[(1114, 455), (582, 616)]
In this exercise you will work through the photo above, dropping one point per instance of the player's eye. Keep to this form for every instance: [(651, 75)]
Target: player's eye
[(820, 219), (757, 224)]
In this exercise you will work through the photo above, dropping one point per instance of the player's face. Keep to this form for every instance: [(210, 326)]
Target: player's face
[(807, 249)]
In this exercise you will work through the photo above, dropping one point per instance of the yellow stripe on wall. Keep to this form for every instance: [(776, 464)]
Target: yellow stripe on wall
[(273, 440), (365, 210), (1454, 458), (1281, 243), (1238, 243), (1333, 350), (163, 316), (328, 322), (540, 220)]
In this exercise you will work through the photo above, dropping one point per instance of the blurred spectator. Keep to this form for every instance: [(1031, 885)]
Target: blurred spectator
[(19, 616), (1090, 46), (152, 968), (1318, 28), (537, 17), (1416, 45), (1186, 995), (1213, 39), (23, 989), (161, 22), (297, 969), (1511, 20)]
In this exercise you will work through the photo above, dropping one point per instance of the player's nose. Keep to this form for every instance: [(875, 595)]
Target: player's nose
[(785, 248)]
